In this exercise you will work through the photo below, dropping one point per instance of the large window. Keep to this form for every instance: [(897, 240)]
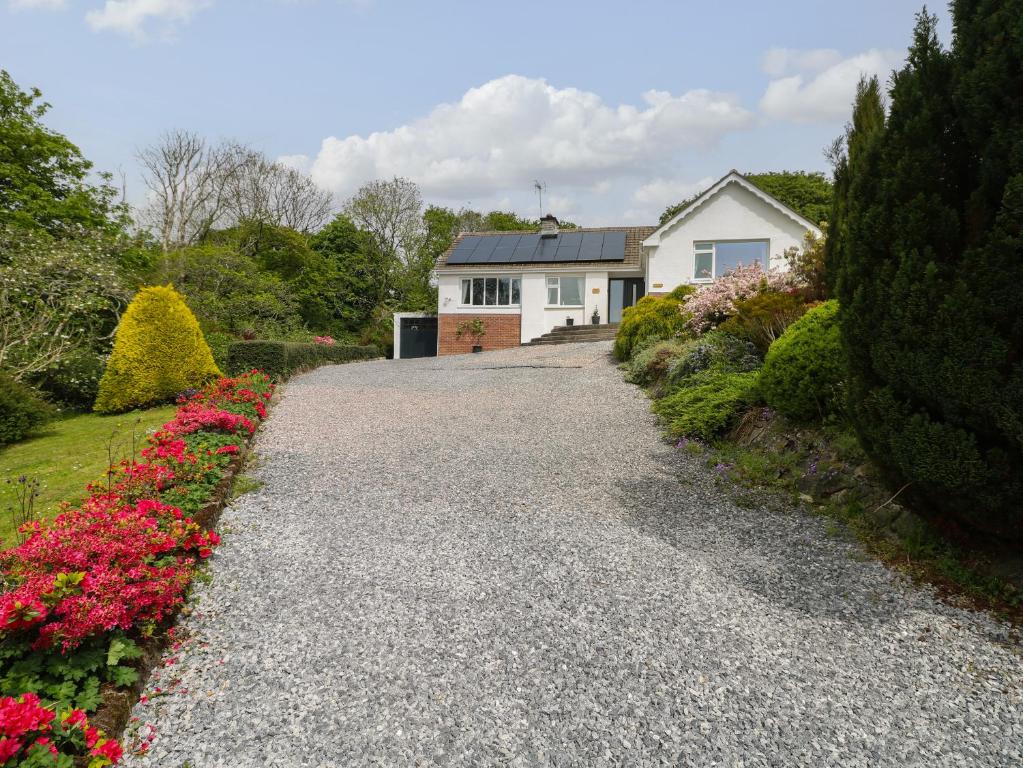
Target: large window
[(564, 291), (490, 291), (714, 259)]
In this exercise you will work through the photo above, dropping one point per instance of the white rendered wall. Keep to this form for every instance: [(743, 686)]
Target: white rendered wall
[(734, 213)]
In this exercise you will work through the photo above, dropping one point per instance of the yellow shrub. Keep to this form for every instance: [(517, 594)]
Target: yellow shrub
[(159, 351)]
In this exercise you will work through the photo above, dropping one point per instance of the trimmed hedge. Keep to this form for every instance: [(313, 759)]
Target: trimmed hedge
[(804, 368), (280, 359), (21, 410)]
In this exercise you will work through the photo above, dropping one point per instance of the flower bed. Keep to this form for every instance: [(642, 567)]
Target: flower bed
[(86, 595)]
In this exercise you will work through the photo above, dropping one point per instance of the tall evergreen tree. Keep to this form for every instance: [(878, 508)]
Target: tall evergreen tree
[(929, 270)]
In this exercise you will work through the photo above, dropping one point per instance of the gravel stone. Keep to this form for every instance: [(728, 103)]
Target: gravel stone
[(494, 560)]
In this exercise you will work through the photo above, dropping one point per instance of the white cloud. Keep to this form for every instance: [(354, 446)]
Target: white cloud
[(130, 17), (37, 5), (299, 163), (509, 131), (651, 198), (818, 85), (784, 61)]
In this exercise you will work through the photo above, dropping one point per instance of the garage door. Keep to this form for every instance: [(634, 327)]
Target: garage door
[(418, 337)]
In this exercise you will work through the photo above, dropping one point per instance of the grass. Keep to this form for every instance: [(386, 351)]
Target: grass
[(68, 454)]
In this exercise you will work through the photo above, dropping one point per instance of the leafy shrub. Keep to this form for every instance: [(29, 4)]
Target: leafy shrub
[(650, 361), (280, 359), (74, 380), (804, 368), (159, 351), (707, 403), (714, 303), (651, 318), (21, 410), (716, 351), (763, 318)]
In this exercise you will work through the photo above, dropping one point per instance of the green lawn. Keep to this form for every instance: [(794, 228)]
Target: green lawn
[(69, 453)]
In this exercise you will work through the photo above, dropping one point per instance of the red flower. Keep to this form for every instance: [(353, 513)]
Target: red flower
[(228, 449)]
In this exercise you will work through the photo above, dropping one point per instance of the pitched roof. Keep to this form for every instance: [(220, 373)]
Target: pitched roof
[(732, 177), (634, 237)]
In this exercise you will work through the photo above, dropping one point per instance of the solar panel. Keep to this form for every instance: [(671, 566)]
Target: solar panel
[(548, 247), (518, 248), (502, 256), (592, 245), (614, 247), (485, 249)]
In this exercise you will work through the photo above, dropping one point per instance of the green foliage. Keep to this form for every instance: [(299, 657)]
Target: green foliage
[(71, 681), (21, 410), (475, 328), (231, 294), (280, 359), (929, 271), (57, 298), (360, 271), (651, 318), (43, 176), (807, 193), (809, 264), (159, 351), (713, 351), (804, 369), (763, 318), (707, 403), (650, 361)]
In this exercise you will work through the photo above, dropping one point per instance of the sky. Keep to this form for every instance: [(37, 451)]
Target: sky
[(619, 109)]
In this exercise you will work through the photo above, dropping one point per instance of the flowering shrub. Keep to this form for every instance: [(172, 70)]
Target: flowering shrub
[(714, 303), (80, 586), (31, 734), (327, 341)]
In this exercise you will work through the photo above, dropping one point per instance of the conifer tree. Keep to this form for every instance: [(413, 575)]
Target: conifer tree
[(928, 267), (159, 352)]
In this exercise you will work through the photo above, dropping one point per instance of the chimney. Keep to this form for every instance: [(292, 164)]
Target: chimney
[(548, 226)]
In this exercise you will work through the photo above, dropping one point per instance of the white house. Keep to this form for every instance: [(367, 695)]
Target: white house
[(522, 285)]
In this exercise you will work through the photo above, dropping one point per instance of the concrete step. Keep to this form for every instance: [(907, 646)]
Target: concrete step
[(575, 334)]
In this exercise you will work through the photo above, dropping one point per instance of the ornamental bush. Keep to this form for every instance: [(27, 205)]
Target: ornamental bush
[(715, 303), (159, 351), (804, 369), (761, 319), (652, 318), (649, 363), (716, 350), (707, 404), (21, 410)]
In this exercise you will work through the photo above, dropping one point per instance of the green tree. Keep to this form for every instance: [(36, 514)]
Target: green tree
[(43, 176), (359, 271), (929, 271), (807, 193)]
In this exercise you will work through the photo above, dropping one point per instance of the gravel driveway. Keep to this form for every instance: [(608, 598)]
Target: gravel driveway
[(493, 560)]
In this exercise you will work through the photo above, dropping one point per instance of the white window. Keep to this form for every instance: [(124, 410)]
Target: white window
[(564, 291), (490, 291), (714, 259)]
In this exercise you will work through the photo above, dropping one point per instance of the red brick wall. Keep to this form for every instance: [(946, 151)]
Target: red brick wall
[(503, 331)]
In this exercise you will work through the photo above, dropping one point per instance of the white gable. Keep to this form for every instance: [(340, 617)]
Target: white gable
[(732, 211)]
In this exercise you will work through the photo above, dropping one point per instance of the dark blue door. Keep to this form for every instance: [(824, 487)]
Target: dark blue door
[(418, 337)]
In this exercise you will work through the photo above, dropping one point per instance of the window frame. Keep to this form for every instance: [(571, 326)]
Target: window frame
[(698, 251), (582, 291), (483, 281)]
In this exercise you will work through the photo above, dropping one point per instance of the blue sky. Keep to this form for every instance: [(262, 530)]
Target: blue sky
[(621, 108)]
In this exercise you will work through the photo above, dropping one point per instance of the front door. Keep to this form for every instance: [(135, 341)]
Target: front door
[(621, 294)]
